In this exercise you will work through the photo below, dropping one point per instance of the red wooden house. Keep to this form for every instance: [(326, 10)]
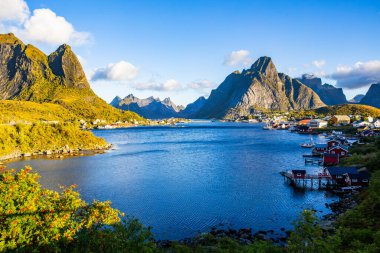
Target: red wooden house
[(299, 174), (332, 143), (338, 150), (330, 159)]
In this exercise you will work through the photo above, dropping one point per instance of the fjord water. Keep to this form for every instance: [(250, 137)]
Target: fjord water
[(185, 179)]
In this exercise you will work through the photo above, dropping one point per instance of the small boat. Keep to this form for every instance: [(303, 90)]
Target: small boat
[(308, 145)]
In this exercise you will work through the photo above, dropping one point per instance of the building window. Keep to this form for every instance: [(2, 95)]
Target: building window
[(354, 180), (342, 153), (365, 180), (298, 174)]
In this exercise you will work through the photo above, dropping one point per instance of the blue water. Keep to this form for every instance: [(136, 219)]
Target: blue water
[(183, 180)]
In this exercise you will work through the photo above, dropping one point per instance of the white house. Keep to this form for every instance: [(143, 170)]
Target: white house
[(358, 124), (370, 119), (376, 124), (317, 123)]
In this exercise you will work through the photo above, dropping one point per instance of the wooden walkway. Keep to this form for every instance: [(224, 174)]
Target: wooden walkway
[(310, 180)]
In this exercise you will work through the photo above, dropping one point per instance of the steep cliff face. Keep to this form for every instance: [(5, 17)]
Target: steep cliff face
[(64, 64), (329, 94), (372, 97), (260, 87), (26, 73)]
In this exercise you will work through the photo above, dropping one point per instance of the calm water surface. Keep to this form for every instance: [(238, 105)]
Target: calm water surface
[(183, 180)]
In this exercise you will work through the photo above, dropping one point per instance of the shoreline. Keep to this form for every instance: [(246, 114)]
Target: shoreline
[(62, 153)]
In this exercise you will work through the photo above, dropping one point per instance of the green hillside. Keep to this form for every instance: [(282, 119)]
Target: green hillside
[(349, 109)]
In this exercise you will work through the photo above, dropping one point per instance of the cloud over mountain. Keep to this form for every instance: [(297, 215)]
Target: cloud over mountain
[(239, 57), (169, 85), (43, 26), (119, 71), (359, 75)]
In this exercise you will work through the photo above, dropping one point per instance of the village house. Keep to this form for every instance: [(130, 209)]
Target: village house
[(330, 159), (319, 148), (358, 124), (304, 122), (341, 151), (359, 179), (376, 124), (317, 123), (299, 174), (337, 174), (340, 120)]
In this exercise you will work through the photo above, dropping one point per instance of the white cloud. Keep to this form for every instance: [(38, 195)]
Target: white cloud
[(42, 26), (201, 84), (239, 57), (169, 85), (119, 71), (14, 10), (359, 75), (45, 26), (319, 63)]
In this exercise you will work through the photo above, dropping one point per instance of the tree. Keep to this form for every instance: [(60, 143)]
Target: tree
[(308, 236)]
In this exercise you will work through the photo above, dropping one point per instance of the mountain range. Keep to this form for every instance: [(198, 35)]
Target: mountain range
[(154, 108), (27, 74), (260, 87)]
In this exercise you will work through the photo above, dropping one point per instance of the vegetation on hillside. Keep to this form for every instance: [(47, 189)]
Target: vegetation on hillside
[(25, 112), (349, 109), (29, 138)]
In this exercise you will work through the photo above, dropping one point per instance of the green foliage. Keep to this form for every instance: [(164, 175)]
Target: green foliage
[(127, 236), (308, 236), (349, 109), (37, 219), (38, 137)]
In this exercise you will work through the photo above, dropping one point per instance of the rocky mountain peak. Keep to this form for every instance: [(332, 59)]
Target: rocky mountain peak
[(64, 63), (10, 38), (372, 96)]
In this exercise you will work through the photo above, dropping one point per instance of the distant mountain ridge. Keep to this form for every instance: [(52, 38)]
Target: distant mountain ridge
[(329, 94), (356, 99), (151, 108), (259, 87), (154, 108)]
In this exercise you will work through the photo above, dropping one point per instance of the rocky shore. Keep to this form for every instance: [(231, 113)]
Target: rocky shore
[(59, 153), (246, 236)]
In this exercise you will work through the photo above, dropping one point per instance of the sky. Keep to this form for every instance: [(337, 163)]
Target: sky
[(183, 49)]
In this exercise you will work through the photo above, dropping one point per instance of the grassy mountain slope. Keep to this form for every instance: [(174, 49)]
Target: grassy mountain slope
[(27, 74)]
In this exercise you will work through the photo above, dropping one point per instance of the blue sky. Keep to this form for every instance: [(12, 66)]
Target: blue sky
[(182, 49)]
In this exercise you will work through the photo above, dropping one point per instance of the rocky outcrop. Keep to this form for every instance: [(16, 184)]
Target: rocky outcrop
[(64, 64), (372, 97), (260, 87), (329, 94), (151, 108)]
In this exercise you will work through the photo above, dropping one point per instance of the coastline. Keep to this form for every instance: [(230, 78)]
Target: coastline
[(61, 153)]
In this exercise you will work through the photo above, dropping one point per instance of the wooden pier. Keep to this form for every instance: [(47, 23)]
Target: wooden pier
[(308, 180)]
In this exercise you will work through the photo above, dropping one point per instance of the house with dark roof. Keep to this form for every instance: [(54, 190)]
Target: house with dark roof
[(337, 174), (360, 179)]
